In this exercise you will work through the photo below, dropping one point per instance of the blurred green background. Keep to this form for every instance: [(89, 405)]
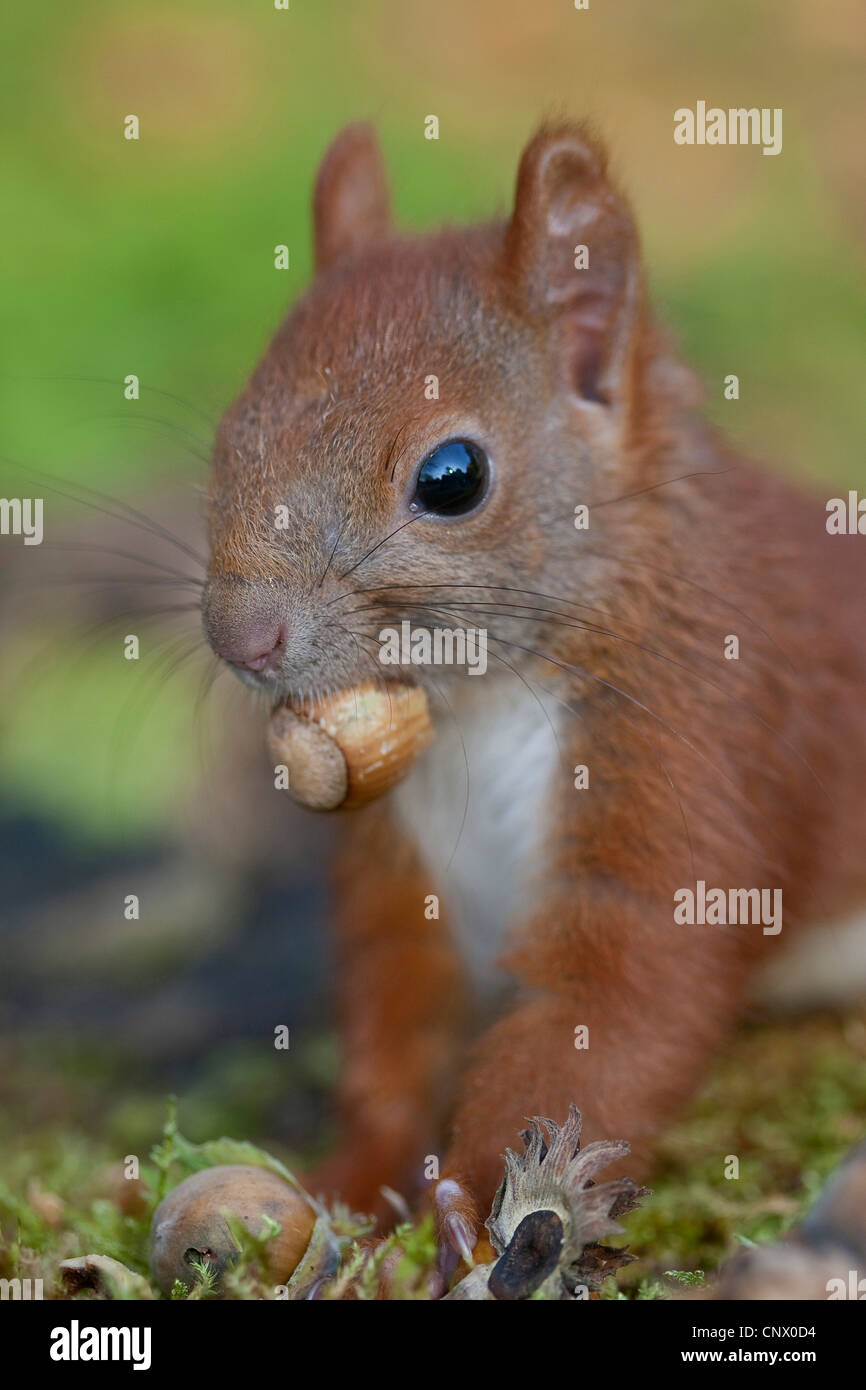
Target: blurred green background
[(155, 257)]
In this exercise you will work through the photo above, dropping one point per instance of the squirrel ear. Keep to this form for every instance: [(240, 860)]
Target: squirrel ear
[(351, 207), (572, 251)]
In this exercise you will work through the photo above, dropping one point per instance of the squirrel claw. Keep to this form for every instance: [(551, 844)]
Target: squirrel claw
[(457, 1229), (460, 1235)]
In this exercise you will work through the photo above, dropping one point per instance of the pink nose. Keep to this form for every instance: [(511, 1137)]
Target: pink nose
[(259, 648), (245, 624)]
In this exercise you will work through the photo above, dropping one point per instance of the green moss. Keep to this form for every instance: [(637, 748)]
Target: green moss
[(787, 1102)]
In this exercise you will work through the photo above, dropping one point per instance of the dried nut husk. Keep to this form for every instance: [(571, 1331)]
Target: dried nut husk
[(549, 1216), (190, 1224), (347, 749)]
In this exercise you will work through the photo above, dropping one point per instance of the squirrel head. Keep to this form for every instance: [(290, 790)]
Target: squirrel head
[(416, 439)]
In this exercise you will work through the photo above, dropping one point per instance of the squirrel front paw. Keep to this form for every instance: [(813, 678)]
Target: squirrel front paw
[(457, 1226)]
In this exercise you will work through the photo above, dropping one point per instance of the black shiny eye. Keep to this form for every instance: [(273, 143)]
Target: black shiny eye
[(453, 479)]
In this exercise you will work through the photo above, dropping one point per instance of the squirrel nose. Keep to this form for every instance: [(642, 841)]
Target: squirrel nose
[(256, 650), (244, 627)]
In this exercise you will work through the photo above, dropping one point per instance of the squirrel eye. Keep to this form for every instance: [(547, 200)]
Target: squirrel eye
[(453, 479)]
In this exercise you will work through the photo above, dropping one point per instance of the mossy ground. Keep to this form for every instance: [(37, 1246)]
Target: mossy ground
[(787, 1102)]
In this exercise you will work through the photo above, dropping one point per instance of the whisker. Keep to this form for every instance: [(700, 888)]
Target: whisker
[(384, 541), (168, 660), (332, 554), (126, 513), (211, 673), (701, 589), (593, 628), (379, 678), (178, 434), (85, 548), (653, 487), (571, 603), (102, 583), (609, 685), (210, 421), (496, 588), (50, 654), (741, 797), (450, 614), (138, 417), (393, 457), (653, 753)]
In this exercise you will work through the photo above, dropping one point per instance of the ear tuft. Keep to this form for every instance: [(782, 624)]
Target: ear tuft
[(351, 206), (572, 252)]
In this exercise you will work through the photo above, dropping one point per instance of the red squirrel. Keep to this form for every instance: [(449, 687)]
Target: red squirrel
[(486, 428)]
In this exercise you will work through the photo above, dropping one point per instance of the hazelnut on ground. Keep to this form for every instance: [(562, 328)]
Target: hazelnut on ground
[(190, 1227)]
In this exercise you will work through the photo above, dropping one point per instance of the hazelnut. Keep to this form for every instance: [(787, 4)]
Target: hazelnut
[(349, 748), (190, 1227)]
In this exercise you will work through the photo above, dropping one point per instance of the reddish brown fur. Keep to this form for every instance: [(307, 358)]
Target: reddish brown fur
[(743, 773)]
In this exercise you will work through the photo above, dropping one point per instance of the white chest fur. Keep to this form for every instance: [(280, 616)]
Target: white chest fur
[(482, 855)]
